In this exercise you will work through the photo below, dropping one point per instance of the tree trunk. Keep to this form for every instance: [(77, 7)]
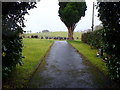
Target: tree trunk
[(70, 33)]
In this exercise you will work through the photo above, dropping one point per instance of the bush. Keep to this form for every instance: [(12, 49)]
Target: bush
[(112, 48), (109, 14), (11, 46), (94, 38), (12, 24), (114, 68)]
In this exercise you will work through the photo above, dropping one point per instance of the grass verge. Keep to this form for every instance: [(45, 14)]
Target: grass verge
[(90, 54), (34, 52)]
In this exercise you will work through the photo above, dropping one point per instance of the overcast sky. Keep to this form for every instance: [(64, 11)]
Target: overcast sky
[(45, 16)]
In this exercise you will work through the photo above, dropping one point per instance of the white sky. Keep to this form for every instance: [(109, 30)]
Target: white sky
[(45, 16)]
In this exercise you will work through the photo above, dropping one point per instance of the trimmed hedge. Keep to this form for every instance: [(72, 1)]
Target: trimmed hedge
[(109, 40), (94, 38)]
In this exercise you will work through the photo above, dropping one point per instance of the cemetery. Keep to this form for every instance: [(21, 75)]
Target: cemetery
[(60, 59)]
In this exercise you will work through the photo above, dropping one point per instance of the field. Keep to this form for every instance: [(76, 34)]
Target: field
[(34, 51), (90, 55), (55, 34)]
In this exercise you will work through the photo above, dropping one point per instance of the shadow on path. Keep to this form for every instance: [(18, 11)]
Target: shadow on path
[(65, 68)]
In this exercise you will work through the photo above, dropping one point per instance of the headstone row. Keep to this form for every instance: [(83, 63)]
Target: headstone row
[(46, 37)]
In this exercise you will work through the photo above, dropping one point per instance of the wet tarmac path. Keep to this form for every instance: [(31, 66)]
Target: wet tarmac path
[(65, 68)]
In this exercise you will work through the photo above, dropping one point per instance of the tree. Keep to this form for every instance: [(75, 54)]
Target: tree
[(12, 23), (45, 31), (70, 13), (109, 14)]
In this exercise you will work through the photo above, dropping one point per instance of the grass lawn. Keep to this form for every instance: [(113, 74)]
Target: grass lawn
[(56, 34), (90, 54), (34, 51)]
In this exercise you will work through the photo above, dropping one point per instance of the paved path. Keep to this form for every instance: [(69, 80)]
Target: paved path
[(65, 68)]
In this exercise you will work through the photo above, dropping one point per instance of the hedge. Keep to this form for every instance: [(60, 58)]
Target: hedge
[(12, 23), (94, 38), (11, 46), (109, 40)]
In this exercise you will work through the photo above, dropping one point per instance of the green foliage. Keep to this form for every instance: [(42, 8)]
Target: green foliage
[(16, 10), (109, 37), (71, 12), (94, 38), (12, 23), (109, 13), (11, 45)]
